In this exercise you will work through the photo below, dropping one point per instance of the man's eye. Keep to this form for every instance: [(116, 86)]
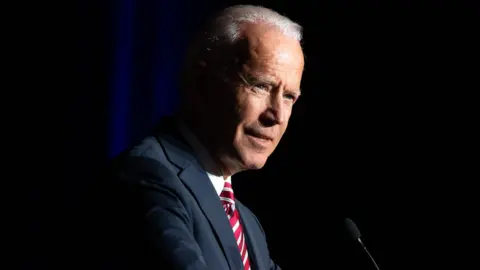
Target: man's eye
[(263, 87)]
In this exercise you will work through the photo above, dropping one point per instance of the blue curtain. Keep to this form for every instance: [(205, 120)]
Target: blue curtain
[(125, 60), (121, 75), (148, 42)]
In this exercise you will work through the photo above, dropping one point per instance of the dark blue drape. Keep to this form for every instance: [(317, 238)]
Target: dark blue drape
[(147, 51), (121, 77)]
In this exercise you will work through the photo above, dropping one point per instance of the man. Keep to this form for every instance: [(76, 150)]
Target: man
[(172, 205)]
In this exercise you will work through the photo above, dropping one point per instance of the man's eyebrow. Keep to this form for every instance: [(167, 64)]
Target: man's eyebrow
[(297, 92), (250, 78), (259, 78), (265, 79)]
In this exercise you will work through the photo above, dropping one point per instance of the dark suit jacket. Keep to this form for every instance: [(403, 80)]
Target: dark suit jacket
[(159, 210)]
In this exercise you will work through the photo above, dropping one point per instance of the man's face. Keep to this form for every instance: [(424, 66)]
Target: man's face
[(256, 109)]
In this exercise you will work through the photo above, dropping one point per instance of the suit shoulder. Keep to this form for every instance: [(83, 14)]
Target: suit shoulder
[(149, 147), (146, 159)]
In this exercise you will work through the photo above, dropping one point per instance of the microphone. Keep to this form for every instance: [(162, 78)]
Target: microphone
[(355, 234)]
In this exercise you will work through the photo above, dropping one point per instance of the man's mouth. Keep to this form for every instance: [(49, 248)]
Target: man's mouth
[(258, 135)]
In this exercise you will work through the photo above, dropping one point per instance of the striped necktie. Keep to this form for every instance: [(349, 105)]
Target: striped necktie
[(228, 201)]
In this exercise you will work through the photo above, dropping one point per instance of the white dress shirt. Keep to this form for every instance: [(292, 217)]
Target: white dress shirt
[(203, 157)]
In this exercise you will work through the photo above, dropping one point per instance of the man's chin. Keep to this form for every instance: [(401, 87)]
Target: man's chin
[(246, 160), (254, 161), (255, 166)]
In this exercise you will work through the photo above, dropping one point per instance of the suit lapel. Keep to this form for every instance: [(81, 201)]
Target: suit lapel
[(253, 250), (203, 191), (197, 181)]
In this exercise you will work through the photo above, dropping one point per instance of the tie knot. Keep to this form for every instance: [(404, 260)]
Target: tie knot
[(227, 194)]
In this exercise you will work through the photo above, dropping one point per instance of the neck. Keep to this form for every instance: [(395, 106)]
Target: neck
[(208, 156)]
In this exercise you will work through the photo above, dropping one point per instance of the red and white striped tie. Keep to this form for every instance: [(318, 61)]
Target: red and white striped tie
[(228, 201)]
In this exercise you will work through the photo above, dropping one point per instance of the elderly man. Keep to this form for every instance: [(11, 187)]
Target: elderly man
[(172, 201)]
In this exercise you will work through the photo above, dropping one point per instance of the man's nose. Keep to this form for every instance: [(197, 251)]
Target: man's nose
[(276, 113)]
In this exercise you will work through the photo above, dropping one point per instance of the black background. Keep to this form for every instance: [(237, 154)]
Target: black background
[(381, 134)]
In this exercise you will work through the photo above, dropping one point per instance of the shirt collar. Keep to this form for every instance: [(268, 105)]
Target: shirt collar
[(203, 157)]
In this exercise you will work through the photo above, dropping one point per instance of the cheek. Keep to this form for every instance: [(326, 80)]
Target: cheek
[(249, 107), (287, 111), (252, 109)]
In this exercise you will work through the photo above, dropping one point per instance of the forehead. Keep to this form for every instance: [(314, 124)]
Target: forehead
[(271, 53)]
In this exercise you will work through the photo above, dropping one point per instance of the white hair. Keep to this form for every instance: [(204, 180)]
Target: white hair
[(228, 23), (213, 47)]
